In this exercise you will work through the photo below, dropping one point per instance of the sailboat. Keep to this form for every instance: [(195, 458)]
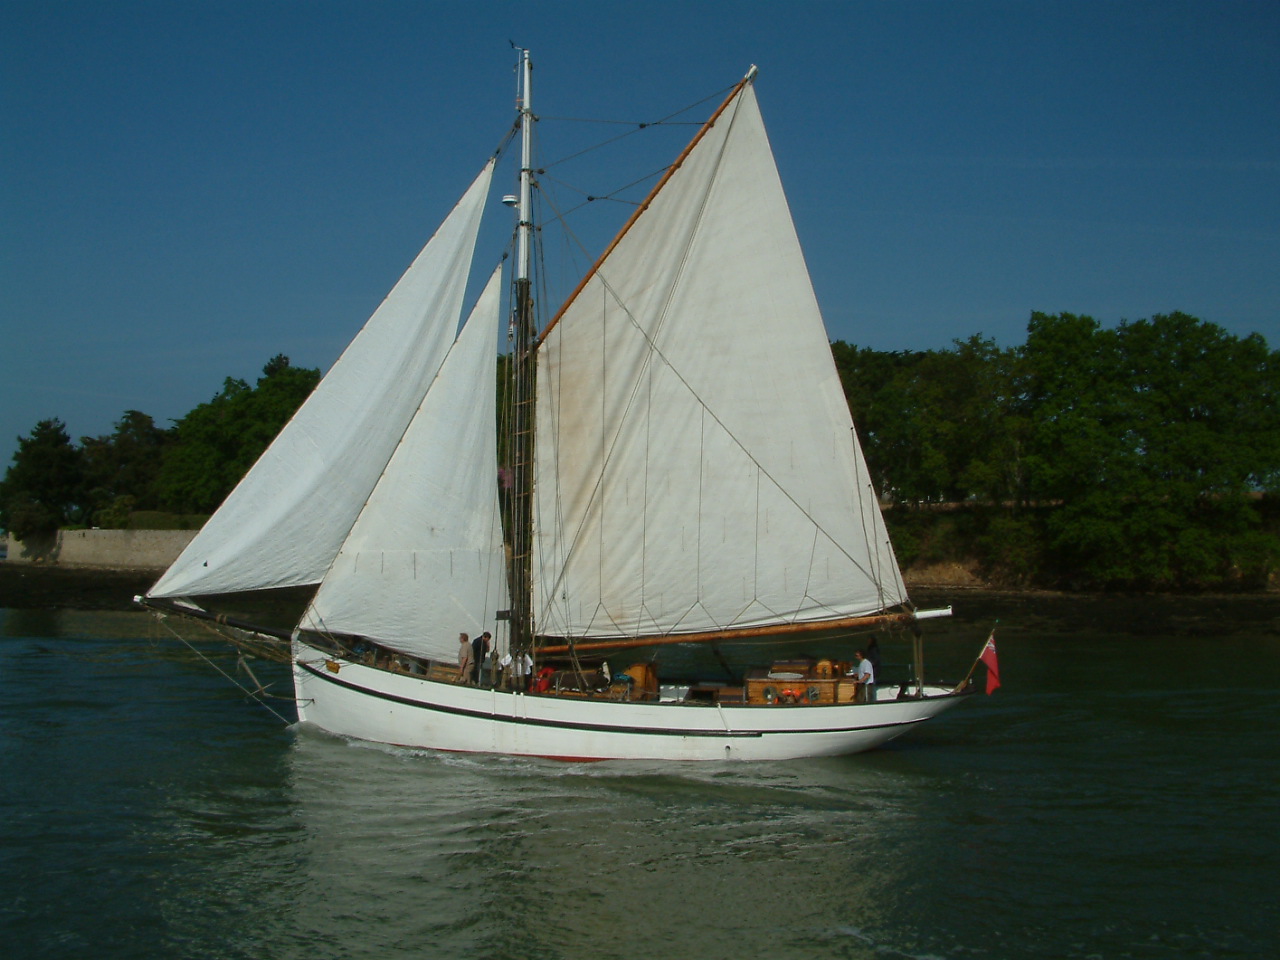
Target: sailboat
[(680, 467)]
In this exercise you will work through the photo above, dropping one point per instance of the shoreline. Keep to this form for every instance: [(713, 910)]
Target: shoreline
[(40, 586), (30, 586)]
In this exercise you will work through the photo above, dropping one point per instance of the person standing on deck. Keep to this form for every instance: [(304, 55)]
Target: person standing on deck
[(866, 676), (873, 654), (479, 650), (518, 670), (464, 658)]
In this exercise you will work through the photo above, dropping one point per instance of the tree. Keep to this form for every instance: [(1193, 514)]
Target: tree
[(217, 442), (43, 489), (869, 378), (936, 426), (1153, 437), (121, 469)]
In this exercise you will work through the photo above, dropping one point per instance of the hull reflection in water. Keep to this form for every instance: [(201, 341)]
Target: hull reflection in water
[(518, 858)]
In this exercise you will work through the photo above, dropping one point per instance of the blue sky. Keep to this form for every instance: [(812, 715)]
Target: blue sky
[(188, 188)]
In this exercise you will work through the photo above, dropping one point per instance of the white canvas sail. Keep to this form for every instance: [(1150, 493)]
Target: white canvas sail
[(284, 522), (697, 467), (424, 559), (695, 471)]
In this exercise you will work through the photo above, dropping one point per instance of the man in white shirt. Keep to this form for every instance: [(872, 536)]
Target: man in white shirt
[(520, 669), (866, 676)]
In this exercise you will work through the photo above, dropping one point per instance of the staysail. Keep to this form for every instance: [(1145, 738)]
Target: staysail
[(425, 557), (284, 522), (697, 467)]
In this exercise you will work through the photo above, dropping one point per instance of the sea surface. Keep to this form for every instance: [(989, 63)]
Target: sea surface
[(1118, 796)]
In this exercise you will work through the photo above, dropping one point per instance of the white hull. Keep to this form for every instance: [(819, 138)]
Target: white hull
[(376, 705)]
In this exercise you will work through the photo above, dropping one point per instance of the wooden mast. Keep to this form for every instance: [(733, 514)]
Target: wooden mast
[(523, 368)]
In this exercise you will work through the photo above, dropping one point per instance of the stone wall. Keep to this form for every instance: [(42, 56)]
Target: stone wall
[(109, 549)]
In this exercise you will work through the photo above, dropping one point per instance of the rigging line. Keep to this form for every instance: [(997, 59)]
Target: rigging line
[(639, 124), (255, 695), (549, 602), (665, 121), (575, 208), (560, 218), (609, 293), (611, 195), (808, 580), (537, 573), (657, 189), (507, 138), (655, 350), (755, 544), (591, 149), (874, 557)]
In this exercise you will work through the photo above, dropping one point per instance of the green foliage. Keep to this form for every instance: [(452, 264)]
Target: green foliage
[(1010, 548), (160, 520), (1147, 455), (1152, 436), (122, 479), (25, 517), (121, 469), (43, 488), (217, 442), (116, 514), (1093, 458), (936, 425)]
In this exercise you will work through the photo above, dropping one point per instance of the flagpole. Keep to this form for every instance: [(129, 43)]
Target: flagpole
[(974, 666)]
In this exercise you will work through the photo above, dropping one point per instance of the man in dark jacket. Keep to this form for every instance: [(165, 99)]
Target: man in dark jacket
[(479, 648)]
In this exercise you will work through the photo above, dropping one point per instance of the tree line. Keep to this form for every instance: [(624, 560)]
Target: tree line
[(1141, 456), (1146, 455), (181, 472)]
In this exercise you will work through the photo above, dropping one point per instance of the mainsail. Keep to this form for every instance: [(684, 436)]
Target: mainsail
[(284, 522), (697, 467), (425, 557)]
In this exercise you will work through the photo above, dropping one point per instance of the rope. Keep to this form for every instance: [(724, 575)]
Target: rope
[(640, 378), (256, 695), (572, 542), (639, 126)]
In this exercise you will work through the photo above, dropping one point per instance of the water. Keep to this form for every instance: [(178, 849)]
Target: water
[(1118, 797)]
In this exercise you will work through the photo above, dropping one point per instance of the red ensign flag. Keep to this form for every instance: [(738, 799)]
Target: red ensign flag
[(988, 657)]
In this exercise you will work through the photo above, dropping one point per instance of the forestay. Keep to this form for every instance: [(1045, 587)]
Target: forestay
[(284, 522), (697, 467)]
